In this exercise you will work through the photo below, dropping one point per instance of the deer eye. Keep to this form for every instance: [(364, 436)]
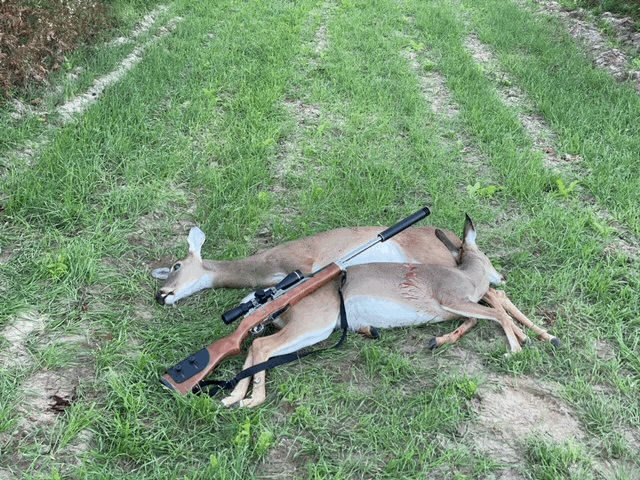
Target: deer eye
[(176, 267)]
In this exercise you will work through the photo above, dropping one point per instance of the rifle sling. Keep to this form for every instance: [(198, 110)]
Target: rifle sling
[(218, 385)]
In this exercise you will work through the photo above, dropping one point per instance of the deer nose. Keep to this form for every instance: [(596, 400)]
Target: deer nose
[(161, 296)]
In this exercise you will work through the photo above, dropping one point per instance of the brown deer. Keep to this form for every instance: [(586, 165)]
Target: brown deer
[(435, 278)]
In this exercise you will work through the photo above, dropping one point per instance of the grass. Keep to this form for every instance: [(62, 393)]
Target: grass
[(264, 121)]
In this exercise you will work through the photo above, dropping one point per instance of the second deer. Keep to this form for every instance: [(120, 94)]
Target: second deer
[(386, 295), (414, 245)]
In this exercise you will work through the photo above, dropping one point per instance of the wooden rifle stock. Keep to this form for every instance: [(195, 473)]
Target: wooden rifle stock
[(186, 375)]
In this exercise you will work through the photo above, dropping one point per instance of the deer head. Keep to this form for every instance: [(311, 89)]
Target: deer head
[(186, 276)]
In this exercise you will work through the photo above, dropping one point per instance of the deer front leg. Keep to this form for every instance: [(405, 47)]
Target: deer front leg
[(238, 393), (308, 322), (258, 393), (499, 297)]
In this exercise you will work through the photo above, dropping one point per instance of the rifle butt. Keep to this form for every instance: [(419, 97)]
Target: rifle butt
[(185, 376)]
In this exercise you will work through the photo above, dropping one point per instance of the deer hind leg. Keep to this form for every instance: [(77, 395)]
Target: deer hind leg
[(469, 323), (494, 300), (454, 336), (465, 308), (499, 297), (369, 332), (310, 321)]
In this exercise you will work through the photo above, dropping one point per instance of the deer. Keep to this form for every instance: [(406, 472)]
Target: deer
[(193, 274), (265, 269), (389, 295), (442, 279)]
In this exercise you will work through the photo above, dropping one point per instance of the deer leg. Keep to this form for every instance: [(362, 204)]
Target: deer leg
[(310, 321), (465, 308), (369, 332), (495, 300), (240, 391), (495, 297), (454, 336)]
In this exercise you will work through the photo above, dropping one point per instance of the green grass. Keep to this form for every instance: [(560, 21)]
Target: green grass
[(264, 121)]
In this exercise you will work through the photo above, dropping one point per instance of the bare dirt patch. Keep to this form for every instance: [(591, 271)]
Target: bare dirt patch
[(433, 86), (605, 350), (5, 255), (46, 395), (143, 27), (512, 410), (281, 462), (321, 39), (17, 333)]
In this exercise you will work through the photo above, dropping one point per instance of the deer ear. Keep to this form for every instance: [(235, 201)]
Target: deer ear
[(196, 240), (469, 235), (161, 273), (455, 252)]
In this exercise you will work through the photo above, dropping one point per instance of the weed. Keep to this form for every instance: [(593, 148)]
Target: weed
[(55, 268), (477, 190), (564, 190)]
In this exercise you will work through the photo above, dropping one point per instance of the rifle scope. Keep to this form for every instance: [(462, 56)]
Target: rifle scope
[(261, 297)]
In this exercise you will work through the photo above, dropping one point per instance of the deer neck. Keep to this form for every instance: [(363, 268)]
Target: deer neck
[(475, 269), (241, 273)]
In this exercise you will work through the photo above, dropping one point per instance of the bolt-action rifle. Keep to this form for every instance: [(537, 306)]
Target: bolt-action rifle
[(267, 305)]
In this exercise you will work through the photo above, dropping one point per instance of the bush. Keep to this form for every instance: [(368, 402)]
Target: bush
[(35, 35)]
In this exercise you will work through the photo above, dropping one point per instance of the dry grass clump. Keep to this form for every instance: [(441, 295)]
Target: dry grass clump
[(35, 35)]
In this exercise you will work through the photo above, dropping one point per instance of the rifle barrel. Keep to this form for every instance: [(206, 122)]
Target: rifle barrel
[(384, 236)]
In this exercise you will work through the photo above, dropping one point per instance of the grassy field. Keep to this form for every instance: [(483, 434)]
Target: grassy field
[(268, 120)]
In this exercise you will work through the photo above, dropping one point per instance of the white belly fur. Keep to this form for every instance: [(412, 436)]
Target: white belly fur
[(381, 252), (363, 311), (308, 339)]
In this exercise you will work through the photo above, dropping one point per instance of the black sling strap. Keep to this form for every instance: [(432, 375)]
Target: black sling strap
[(218, 385)]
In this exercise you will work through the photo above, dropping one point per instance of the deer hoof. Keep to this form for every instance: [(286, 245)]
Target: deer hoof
[(433, 344), (231, 402), (375, 334), (555, 342)]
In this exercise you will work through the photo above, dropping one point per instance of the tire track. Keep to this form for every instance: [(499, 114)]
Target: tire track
[(77, 105), (21, 157), (545, 141), (580, 25), (290, 164)]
